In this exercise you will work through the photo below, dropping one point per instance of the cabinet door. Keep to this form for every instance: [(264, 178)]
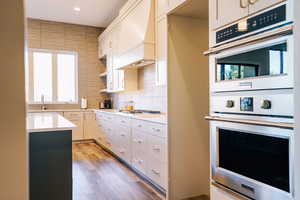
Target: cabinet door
[(110, 73), (258, 5), (161, 52), (161, 7), (174, 4), (224, 12), (90, 125), (76, 118)]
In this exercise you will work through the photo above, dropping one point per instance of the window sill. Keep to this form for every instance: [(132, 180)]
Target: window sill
[(53, 103)]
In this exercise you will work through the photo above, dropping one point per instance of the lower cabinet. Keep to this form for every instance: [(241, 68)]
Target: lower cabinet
[(142, 144), (77, 119), (90, 127)]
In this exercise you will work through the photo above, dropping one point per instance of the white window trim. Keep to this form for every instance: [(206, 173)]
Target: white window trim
[(54, 78)]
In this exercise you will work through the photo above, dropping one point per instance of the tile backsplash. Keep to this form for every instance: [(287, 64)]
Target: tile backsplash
[(148, 97), (82, 39)]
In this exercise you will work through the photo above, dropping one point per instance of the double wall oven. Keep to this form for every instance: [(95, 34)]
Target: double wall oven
[(252, 109)]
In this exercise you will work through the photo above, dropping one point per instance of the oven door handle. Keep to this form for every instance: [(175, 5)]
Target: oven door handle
[(252, 122)]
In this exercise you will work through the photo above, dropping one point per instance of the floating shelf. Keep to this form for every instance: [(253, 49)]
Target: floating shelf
[(104, 90), (102, 75)]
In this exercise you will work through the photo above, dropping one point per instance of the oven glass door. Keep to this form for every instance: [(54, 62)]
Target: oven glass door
[(259, 157), (266, 61), (264, 65)]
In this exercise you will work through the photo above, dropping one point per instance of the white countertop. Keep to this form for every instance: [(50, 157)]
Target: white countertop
[(156, 118), (60, 110), (47, 121)]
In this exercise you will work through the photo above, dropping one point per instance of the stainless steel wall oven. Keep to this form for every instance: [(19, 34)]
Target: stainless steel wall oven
[(256, 161)]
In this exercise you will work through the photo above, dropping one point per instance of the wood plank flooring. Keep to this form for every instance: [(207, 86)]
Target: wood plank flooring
[(99, 176)]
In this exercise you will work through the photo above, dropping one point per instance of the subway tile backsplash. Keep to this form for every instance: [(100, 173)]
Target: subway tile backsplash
[(148, 97)]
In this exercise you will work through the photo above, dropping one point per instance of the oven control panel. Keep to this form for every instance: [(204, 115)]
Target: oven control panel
[(280, 105), (260, 21)]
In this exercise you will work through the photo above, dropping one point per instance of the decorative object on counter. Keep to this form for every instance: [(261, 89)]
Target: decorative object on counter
[(43, 106), (101, 105), (84, 103)]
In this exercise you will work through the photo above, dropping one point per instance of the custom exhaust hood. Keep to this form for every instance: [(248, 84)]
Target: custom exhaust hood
[(136, 37)]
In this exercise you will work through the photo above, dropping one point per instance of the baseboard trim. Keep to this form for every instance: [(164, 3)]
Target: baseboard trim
[(155, 186)]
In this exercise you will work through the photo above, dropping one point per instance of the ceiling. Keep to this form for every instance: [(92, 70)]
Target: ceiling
[(98, 13)]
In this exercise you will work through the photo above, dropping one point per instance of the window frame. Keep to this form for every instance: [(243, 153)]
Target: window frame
[(30, 76)]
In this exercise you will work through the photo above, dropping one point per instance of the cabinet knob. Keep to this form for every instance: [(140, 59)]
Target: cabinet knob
[(230, 104), (266, 104), (155, 172)]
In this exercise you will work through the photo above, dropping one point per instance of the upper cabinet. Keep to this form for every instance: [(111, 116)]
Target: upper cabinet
[(161, 51), (224, 12), (161, 8), (172, 4)]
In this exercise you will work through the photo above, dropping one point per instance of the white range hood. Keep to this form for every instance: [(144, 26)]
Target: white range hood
[(136, 37)]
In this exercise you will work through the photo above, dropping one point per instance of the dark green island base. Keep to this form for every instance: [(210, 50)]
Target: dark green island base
[(50, 165)]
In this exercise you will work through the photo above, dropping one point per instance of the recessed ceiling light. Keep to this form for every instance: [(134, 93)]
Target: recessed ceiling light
[(77, 9)]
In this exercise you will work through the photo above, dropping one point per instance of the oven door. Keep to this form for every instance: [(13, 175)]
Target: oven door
[(264, 65), (256, 161)]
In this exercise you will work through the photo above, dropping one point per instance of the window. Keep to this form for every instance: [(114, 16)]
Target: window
[(51, 77)]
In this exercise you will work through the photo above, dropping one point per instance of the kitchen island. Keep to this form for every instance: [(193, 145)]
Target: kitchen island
[(50, 156)]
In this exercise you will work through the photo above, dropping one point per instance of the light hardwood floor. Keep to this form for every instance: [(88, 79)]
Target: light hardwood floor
[(99, 176)]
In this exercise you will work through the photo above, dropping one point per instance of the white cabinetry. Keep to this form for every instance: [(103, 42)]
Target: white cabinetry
[(161, 51), (90, 125), (161, 8), (225, 12), (175, 3), (77, 119), (140, 143)]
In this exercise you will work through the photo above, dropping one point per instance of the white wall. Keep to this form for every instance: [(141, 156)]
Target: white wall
[(13, 142)]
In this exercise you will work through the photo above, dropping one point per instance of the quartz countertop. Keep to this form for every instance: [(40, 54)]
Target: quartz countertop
[(156, 118), (47, 121), (60, 110)]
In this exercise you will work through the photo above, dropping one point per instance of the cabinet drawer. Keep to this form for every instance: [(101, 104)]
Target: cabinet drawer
[(157, 172), (139, 163), (157, 149), (122, 121), (139, 141), (73, 115), (152, 128), (124, 153), (123, 137)]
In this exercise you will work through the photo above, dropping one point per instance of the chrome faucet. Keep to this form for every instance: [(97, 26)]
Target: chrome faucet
[(43, 106)]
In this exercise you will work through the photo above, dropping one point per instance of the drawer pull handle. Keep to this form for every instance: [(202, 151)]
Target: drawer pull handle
[(156, 148), (140, 126), (140, 161), (140, 141), (122, 152), (155, 172), (157, 130), (123, 135), (123, 121)]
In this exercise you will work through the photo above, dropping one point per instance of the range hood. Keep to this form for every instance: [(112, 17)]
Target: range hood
[(136, 37)]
